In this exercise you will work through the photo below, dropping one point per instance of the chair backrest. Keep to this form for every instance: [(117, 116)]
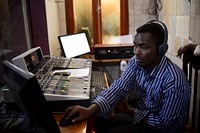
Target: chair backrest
[(191, 67)]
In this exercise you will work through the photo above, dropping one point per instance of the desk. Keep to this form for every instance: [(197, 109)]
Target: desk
[(79, 127)]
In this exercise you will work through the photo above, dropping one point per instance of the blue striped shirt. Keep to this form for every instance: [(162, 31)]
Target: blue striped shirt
[(163, 94)]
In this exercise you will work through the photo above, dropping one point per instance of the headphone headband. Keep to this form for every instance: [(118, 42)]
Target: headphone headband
[(164, 28)]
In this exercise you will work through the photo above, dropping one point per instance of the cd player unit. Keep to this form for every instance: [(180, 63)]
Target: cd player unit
[(113, 51)]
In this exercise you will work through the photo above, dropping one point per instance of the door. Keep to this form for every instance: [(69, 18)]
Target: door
[(100, 19)]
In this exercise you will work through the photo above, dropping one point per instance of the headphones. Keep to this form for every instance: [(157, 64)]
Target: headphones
[(164, 46)]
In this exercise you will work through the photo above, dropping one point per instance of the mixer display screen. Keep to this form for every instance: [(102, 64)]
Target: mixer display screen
[(32, 60)]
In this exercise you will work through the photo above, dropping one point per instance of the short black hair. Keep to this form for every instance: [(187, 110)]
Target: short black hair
[(156, 31)]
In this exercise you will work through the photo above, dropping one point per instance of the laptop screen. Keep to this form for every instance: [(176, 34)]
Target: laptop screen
[(74, 45)]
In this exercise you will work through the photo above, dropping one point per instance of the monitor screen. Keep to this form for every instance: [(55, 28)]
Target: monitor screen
[(74, 45), (33, 59), (30, 59), (26, 92)]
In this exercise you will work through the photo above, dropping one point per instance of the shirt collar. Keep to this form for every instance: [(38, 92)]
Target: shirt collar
[(158, 68)]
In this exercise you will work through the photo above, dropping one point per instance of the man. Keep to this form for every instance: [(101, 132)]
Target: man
[(161, 88)]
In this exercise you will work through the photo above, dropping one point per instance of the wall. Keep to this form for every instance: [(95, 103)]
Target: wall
[(182, 18), (55, 12), (176, 15), (138, 14)]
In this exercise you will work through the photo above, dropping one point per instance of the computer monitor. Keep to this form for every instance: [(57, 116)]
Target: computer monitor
[(26, 92), (30, 59), (73, 45)]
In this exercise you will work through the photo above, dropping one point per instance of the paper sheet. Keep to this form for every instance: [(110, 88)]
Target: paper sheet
[(83, 72)]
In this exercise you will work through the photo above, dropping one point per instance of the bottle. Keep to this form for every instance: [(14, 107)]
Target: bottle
[(123, 66)]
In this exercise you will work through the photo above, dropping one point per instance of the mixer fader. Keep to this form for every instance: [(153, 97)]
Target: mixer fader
[(63, 63)]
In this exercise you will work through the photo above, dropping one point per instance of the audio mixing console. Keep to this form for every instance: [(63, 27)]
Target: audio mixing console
[(62, 86)]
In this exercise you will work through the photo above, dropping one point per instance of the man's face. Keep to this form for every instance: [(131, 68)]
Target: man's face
[(145, 50)]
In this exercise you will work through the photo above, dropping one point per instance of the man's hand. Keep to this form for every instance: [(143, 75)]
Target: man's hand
[(83, 112), (185, 48)]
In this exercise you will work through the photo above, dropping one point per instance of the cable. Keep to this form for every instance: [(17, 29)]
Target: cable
[(104, 69), (158, 5), (154, 7)]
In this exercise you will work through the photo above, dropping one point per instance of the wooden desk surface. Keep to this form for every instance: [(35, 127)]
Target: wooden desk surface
[(79, 127)]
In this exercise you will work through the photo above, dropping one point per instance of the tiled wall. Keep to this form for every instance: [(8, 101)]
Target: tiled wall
[(182, 18)]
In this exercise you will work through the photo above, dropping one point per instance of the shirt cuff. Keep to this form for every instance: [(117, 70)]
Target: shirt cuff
[(105, 109)]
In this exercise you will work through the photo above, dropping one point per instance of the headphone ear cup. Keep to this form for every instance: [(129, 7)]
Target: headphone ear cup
[(162, 49), (164, 46)]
